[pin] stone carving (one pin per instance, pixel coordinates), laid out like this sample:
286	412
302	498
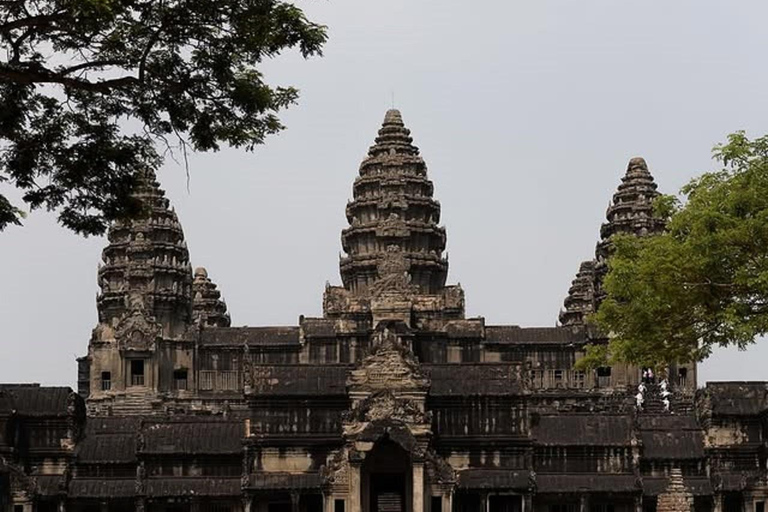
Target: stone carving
335	472
438	469
137	330
390	366
384	405
393	273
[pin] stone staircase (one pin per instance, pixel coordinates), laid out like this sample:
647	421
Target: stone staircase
129	404
679	403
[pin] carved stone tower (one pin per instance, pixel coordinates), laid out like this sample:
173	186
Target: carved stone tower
630	212
393	210
143	344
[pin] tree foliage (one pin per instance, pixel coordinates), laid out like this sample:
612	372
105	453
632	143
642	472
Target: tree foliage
90	89
704	281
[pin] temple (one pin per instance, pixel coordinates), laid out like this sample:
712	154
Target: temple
392	401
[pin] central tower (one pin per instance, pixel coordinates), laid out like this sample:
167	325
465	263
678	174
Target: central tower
393	211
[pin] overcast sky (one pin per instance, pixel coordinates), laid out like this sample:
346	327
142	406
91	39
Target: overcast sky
526	114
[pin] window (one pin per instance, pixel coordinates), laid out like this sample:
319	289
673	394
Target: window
338	505
558	376
604	376
437	503
682	376
759	506
578	378
180	379
106	381
137	372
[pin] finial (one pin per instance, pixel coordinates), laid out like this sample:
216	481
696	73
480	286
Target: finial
637	163
200	272
393	117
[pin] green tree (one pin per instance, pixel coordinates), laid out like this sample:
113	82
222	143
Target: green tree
92	91
704	281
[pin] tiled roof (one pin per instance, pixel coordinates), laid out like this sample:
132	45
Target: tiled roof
474	379
239	336
188	486
290	481
738	398
107	448
193	437
494	479
34	400
583	430
504	334
300	379
102	488
560	484
673	445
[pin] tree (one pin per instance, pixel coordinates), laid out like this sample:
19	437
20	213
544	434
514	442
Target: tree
704	281
89	89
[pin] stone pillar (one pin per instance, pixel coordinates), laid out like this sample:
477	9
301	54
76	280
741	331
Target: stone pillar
484	502
62	505
418	487
354	488
295	496
527	504
639	503
247	503
718	502
328	502
584	502
447	502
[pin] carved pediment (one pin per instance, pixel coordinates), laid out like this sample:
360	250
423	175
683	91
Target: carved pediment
385	406
137	329
390	366
394	275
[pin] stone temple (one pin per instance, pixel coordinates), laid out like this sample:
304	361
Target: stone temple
392	401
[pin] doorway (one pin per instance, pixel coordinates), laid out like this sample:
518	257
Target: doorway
386	478
137	372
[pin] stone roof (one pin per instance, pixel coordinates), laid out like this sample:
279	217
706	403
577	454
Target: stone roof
117	448
569	484
738	398
518	479
193	437
672	445
36	400
284	481
299	380
580	301
468	379
252	336
534	335
102	488
192	486
583	430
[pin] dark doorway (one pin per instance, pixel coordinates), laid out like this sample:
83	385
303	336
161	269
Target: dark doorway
505	503
386	477
137	372
387	492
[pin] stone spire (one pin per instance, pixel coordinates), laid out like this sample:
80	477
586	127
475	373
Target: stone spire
580	301
393	214
146	265
630	212
208	309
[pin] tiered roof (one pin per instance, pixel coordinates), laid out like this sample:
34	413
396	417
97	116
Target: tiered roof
208	309
393	209
630	212
146	259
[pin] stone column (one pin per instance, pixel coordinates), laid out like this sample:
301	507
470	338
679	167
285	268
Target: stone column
639	503
527	504
418	487
328	502
354	488
484	502
584	502
295	496
447	502
62	505
717	505
247	503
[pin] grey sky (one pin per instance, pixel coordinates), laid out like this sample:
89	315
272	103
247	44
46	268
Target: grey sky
526	113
